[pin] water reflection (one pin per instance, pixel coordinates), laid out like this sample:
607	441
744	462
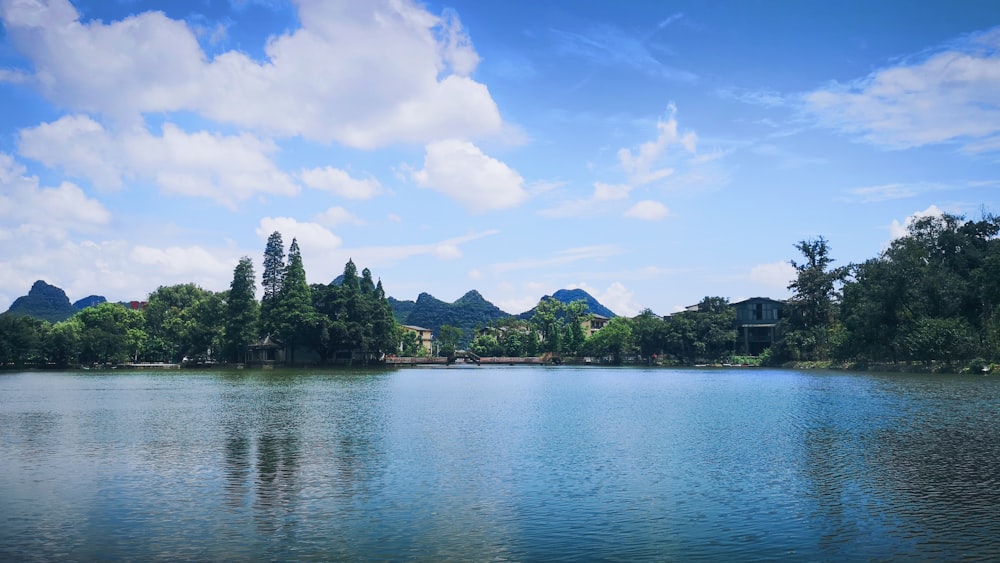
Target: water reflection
262	449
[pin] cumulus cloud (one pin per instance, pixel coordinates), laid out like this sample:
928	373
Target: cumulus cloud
57	209
177	262
338	216
461	171
364	74
646	163
616	297
116	269
341	183
226	169
899	229
950	95
648	210
312	236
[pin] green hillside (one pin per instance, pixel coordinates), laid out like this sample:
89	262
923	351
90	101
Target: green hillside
45	302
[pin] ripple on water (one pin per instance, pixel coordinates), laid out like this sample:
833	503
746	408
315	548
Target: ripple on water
507	464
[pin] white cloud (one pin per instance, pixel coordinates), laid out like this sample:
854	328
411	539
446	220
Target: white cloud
775	276
341	183
338	216
185	263
646	163
576	207
648	210
459	170
898	190
953	95
24	202
314	239
116	269
226	169
616	297
900	229
447	252
610	192
364	74
448	249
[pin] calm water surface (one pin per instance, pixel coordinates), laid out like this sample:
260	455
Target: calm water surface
518	463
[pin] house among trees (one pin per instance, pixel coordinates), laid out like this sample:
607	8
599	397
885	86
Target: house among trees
266	352
424	337
593	323
756	321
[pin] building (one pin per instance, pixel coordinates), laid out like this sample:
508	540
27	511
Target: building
423	336
756	322
266	352
593	323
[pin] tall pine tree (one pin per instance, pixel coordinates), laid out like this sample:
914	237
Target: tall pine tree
272	281
293	314
242	312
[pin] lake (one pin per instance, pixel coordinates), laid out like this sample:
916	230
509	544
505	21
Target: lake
498	463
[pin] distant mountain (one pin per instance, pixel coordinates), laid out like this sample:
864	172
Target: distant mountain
401	309
45	302
569	296
467	313
90	301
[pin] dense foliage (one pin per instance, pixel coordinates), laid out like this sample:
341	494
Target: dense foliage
933	296
351	322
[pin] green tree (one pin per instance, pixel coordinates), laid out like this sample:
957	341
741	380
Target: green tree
939	339
933	288
650	333
486	345
242	312
574	315
448	337
109	333
615	340
811	312
410	344
187	319
292	315
548	321
715	328
21	339
62	345
354	318
272	281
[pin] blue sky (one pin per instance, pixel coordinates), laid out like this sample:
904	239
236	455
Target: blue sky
651	153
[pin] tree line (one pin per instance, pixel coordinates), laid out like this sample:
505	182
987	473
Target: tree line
932	296
348	320
705	333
